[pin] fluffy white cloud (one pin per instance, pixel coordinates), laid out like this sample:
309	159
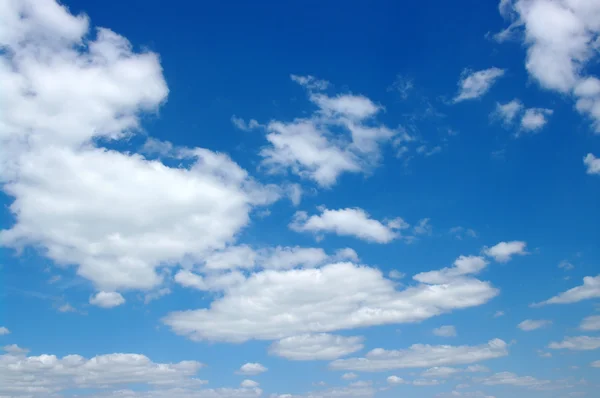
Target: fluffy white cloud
349	376
463	266
64	93
349	222
44	375
4	331
107	299
14	349
561	38
590	323
309	148
535	118
590	289
251	369
592	164
579	343
423	356
322	346
509	111
347	296
445	331
248	383
504	251
475	84
532	324
440	371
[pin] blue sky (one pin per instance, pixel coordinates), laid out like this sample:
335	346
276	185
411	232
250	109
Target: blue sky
299	199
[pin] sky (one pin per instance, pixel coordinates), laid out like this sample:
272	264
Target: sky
299	199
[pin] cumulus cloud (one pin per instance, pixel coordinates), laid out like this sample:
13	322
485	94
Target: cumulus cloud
347	296
65	92
475	84
533	324
534	119
251	369
509	111
248	383
4	331
445	331
321	346
349	376
591	323
561	39
589	290
592	164
504	251
107	299
422	356
463	266
395	380
310	148
45	375
579	343
349	222
242	125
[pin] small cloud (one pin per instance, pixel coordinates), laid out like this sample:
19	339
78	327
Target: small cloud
534	119
4	331
504	251
54	279
592	164
349	376
251	369
567	266
402	85
498	314
15	349
310	82
445	331
530	324
423	227
396	274
66	308
242	125
474	85
249	383
107	299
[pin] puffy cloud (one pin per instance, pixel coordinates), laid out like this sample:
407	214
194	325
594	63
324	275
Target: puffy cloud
63	94
251	369
44	375
475	84
531	324
248	383
509	111
107	299
592	164
4	331
504	251
349	222
590	289
535	118
590	323
426	382
309	147
561	38
349	376
15	349
579	343
347	295
423	356
440	371
463	266
395	380
322	346
445	331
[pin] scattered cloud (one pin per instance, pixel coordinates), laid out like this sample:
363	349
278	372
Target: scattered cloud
249	384
15	349
107	299
349	222
349	376
591	323
252	369
534	119
242	125
589	290
508	378
423	356
402	85
592	164
310	82
320	346
423	227
461	232
395	274
475	84
531	324
579	343
504	251
463	266
566	265
498	314
4	331
395	380
445	331
508	112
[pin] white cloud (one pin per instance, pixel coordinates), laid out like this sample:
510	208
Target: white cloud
508	378
251	369
445	331
463	266
294	192
579	343
148	297
107	299
423	227
426	382
592	164
322	346
348	222
395	380
498	314
595	364
4	331
349	376
242	125
508	112
440	371
475	84
358	390
561	39
533	324
249	384
63	93
423	356
347	296
395	274
45	375
310	82
402	85
535	118
504	251
15	349
590	289
309	148
461	232
590	323
566	265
